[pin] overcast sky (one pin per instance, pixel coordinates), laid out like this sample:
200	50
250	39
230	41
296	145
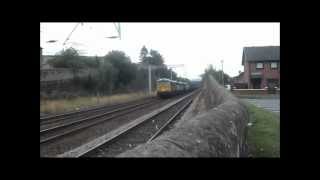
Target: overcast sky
196	45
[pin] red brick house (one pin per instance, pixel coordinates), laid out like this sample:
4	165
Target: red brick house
261	67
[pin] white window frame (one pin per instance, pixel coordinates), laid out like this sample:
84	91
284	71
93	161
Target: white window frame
259	67
273	64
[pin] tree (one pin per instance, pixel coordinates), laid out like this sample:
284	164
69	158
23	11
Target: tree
143	53
156	58
107	76
126	69
217	74
90	62
68	58
90	83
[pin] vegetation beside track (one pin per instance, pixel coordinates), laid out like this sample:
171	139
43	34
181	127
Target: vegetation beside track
62	105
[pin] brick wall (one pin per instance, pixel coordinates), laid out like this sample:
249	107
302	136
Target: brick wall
254	91
267	73
246	73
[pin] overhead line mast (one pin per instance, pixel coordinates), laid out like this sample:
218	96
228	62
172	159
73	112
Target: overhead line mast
118	29
75	27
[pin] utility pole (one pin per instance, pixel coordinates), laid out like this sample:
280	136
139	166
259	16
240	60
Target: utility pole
118	29
222	73
174	66
149	73
75	27
41	57
150	67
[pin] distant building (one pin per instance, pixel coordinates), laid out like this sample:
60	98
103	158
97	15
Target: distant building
261	67
239	81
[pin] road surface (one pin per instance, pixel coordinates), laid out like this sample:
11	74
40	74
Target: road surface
268	104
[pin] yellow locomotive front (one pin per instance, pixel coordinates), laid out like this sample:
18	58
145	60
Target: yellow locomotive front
164	87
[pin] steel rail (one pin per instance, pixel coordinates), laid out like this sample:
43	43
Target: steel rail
94	116
86	148
170	120
46	119
64	133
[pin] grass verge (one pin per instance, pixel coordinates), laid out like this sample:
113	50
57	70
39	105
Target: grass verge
63	105
264	133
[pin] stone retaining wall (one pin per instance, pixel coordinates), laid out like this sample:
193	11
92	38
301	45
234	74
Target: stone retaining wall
215	125
60	78
60	74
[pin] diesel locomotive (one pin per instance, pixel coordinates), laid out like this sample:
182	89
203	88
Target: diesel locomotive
168	88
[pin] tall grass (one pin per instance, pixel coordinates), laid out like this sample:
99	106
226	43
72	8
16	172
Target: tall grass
62	105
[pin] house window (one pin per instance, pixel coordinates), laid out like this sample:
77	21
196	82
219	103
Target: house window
259	66
274	65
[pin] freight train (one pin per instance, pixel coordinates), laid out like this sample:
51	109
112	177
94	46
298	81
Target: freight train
168	88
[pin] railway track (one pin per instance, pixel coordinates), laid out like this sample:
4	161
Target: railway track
50	119
82	121
88	114
164	116
54	142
